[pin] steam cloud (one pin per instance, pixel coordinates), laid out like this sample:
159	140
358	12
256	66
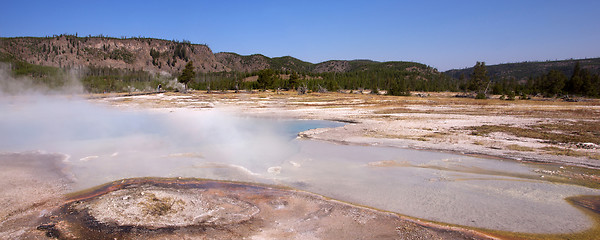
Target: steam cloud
105	143
15	86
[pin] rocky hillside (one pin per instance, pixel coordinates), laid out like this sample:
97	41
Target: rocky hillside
241	63
332	66
152	55
524	70
156	55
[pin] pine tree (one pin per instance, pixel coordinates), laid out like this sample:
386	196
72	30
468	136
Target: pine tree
266	78
575	83
554	82
398	88
293	83
187	74
479	80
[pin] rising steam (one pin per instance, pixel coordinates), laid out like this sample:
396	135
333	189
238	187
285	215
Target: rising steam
22	85
105	143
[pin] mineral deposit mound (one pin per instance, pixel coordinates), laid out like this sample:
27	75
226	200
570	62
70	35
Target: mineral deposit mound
158	208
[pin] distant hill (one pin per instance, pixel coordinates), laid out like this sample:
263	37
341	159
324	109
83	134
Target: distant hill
130	64
255	62
105	64
524	70
157	55
368	65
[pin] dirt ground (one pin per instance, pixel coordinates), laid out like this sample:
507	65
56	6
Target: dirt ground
32	184
537	130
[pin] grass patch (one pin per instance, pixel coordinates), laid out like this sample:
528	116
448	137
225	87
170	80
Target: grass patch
568	152
572	112
158	206
374	134
436	135
396	110
579	131
562	132
314	98
516	147
563	152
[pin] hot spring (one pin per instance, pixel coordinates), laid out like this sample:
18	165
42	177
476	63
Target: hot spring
100	144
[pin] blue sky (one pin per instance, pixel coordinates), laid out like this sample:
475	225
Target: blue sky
442	34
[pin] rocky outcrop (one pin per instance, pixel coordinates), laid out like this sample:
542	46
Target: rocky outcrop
332	66
239	63
152	55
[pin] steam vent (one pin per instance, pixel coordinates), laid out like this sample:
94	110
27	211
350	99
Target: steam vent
156	208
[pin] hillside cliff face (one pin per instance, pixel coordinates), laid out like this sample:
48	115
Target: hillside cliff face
163	56
153	55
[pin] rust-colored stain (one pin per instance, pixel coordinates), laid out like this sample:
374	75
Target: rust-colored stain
589	202
172	208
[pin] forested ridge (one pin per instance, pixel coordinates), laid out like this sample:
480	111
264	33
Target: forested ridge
105	64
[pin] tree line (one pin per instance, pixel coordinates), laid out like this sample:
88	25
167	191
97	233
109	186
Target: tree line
395	81
554	83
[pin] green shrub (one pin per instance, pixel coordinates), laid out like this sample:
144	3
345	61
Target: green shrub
511	96
481	96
